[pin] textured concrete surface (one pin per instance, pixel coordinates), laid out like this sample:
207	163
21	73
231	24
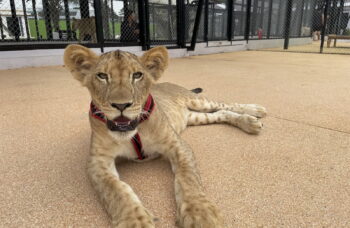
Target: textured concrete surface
294	174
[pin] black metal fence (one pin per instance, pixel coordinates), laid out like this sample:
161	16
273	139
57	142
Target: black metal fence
33	24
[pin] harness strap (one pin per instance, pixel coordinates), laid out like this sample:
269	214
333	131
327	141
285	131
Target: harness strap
136	139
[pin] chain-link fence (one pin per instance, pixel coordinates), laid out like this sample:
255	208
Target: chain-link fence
316	26
303	25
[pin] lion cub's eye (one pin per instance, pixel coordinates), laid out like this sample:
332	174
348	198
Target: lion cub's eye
102	76
137	75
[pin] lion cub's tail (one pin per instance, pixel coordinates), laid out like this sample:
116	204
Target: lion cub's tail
197	90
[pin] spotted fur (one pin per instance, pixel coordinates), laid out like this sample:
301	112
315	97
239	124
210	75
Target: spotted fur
176	108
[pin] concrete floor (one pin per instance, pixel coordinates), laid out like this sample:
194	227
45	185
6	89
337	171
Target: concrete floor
343	47
294	174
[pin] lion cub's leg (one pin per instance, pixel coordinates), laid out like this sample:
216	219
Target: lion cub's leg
120	201
202	104
193	207
247	123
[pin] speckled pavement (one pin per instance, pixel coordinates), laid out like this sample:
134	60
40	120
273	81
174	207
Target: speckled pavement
296	173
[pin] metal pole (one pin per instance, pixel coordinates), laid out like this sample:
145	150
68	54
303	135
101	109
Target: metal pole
323	32
229	19
99	24
269	19
142	22
36	21
247	21
84	8
25	19
66	12
196	25
233	20
1	28
206	20
287	24
15	23
47	20
180	12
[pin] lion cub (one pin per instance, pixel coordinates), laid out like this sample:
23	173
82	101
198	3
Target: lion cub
133	117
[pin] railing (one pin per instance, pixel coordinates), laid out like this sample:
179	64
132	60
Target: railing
32	24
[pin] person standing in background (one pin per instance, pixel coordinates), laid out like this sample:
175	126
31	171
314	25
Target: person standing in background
129	27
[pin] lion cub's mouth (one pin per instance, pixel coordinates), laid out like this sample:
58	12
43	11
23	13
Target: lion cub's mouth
122	124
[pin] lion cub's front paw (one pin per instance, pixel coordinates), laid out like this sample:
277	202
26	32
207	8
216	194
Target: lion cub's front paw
249	124
138	217
199	214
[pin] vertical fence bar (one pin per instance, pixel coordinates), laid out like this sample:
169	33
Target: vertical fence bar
36	21
99	24
1	29
15	22
247	20
206	20
142	22
196	24
324	26
269	19
180	8
25	19
287	24
84	8
47	18
233	20
229	19
66	14
113	23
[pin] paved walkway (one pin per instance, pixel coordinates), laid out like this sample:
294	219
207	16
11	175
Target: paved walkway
296	173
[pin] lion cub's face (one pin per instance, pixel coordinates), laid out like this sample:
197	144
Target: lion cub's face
118	82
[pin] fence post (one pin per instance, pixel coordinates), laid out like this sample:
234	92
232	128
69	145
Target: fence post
287	24
323	31
206	20
196	25
1	29
15	22
47	20
180	12
143	24
229	20
25	19
99	24
247	21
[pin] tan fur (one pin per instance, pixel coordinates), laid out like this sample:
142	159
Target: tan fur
86	26
176	108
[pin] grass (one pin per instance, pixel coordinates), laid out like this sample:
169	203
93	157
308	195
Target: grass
63	26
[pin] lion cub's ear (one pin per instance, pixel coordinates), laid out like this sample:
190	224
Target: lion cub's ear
79	60
156	61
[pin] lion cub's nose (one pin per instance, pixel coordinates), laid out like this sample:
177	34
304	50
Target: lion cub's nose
121	107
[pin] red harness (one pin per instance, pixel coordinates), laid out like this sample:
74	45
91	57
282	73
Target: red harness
135	140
